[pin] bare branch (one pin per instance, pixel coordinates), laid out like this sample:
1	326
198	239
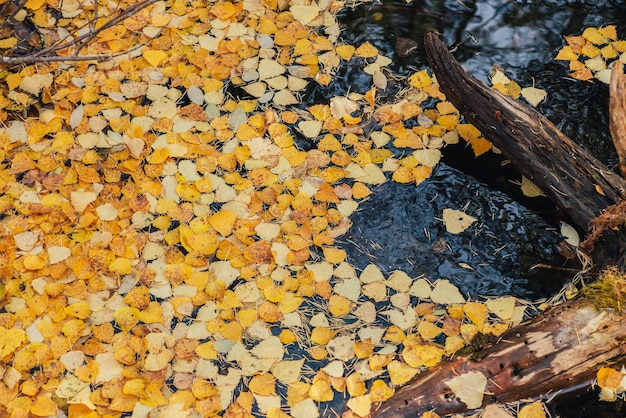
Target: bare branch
29	59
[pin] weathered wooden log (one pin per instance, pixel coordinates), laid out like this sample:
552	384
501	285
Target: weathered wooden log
577	182
562	348
617	110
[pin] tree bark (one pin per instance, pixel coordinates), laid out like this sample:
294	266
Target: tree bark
562	348
617	109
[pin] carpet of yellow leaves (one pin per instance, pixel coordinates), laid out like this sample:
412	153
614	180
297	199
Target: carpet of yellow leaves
591	53
167	249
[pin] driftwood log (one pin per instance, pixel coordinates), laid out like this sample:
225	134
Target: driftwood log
617	107
561	349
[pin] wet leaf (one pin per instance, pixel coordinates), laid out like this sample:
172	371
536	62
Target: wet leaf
533	95
446	293
457	221
534	410
469	388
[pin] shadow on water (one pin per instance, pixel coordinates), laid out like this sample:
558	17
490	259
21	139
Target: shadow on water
513	233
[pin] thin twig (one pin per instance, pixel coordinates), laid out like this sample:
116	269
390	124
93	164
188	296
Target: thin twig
27	60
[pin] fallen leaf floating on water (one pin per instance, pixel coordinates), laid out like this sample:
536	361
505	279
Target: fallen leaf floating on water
534	410
533	95
457	221
446	293
590	55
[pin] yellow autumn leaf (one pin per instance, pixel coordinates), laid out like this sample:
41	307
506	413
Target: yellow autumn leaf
360	405
534	410
334	255
566	54
32	355
449	122
287	336
34	262
590	50
476	312
453	344
320	390
43	406
263	384
355	384
594	36
8	42
121	266
322	335
207	351
73	329
583	75
480	146
80	310
339	306
363	349
422	355
345	52
608	52
403	175
609	31
127	317
420	79
608	378
366	50
380	392
620	45
152	315
428	330
11	340
401	373
290	302
223	221
154	57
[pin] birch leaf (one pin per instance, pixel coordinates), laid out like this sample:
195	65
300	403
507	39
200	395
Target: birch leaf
533	95
469	388
457	221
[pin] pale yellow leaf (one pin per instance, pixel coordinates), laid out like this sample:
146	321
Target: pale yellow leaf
457	221
305	14
530	189
360	405
503	307
534	410
533	95
310	128
446	293
469	388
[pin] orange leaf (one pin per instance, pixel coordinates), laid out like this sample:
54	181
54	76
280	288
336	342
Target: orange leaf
259	252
